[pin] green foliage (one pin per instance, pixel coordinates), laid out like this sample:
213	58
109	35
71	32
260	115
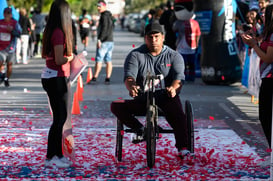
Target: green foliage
22	3
89	5
138	5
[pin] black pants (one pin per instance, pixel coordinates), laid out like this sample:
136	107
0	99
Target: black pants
265	107
124	110
57	91
36	46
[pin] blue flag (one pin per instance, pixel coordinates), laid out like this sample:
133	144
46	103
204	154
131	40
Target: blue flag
3	5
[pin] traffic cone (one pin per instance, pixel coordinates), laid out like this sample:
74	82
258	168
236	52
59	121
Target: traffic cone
79	90
81	83
76	104
89	75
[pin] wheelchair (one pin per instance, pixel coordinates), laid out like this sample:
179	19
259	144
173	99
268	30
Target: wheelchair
152	130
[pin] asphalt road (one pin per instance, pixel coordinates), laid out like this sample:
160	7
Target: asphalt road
217	107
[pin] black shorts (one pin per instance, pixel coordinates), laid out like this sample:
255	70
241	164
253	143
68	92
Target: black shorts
84	32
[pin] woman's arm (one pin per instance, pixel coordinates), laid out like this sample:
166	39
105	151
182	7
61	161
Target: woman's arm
60	59
267	56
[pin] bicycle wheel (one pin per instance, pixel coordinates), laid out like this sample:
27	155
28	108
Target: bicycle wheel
119	138
151	136
189	116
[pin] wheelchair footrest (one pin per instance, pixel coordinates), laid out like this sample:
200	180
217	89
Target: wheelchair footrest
160	130
166	131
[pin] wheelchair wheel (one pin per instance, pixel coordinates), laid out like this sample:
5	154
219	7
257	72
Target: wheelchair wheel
189	117
151	136
119	138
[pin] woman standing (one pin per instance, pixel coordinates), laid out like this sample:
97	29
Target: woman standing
57	50
265	52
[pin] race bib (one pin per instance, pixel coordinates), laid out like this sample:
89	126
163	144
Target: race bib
85	25
159	84
49	73
5	36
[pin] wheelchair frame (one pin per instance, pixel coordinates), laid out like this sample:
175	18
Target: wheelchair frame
152	130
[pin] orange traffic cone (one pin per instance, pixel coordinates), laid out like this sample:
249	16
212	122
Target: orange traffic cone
81	83
76	104
89	75
79	90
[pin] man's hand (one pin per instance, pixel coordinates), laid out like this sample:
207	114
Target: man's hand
133	92
171	91
131	86
174	88
98	44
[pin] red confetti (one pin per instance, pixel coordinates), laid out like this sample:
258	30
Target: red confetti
223	77
133	45
85	107
211	118
92	59
268	150
68	146
248	133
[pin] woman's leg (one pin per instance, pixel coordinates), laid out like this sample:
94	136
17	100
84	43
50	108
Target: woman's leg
265	107
56	89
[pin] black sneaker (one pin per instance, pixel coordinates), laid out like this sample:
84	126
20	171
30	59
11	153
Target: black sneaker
138	136
107	81
6	81
93	80
2	77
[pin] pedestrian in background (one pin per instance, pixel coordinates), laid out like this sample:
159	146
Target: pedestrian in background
22	42
32	36
265	52
10	30
105	42
167	19
84	23
58	52
39	22
94	25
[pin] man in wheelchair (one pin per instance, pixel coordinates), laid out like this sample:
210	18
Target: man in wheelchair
160	60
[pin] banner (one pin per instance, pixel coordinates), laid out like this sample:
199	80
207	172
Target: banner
220	63
254	80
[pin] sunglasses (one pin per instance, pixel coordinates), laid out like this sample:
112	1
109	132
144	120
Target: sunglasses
179	7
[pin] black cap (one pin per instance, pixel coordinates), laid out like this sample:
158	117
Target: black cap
153	28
